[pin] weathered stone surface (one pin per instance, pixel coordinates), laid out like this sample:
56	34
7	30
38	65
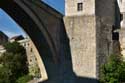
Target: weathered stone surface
105	20
71	7
90	34
82	34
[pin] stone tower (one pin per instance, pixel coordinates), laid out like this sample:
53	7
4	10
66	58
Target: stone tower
89	27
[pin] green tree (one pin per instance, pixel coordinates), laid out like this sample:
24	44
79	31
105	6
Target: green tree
14	48
24	79
13	63
5	74
113	71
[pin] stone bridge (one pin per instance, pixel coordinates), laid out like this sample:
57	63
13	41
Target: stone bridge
43	24
45	27
36	17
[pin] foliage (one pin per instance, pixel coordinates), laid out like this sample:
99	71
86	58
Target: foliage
5	74
14	48
24	79
113	71
34	71
13	63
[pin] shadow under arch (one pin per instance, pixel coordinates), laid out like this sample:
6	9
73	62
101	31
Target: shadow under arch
28	19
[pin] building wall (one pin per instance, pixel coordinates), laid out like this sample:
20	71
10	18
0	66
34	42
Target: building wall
32	61
2	50
71	7
35	63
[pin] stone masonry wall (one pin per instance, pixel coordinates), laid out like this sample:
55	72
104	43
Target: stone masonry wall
82	35
90	36
105	20
103	43
71	7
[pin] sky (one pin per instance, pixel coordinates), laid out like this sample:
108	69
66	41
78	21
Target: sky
10	28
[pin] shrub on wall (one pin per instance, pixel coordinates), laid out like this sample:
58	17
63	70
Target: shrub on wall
113	71
24	79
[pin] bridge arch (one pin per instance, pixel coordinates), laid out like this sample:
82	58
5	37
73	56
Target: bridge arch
24	12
